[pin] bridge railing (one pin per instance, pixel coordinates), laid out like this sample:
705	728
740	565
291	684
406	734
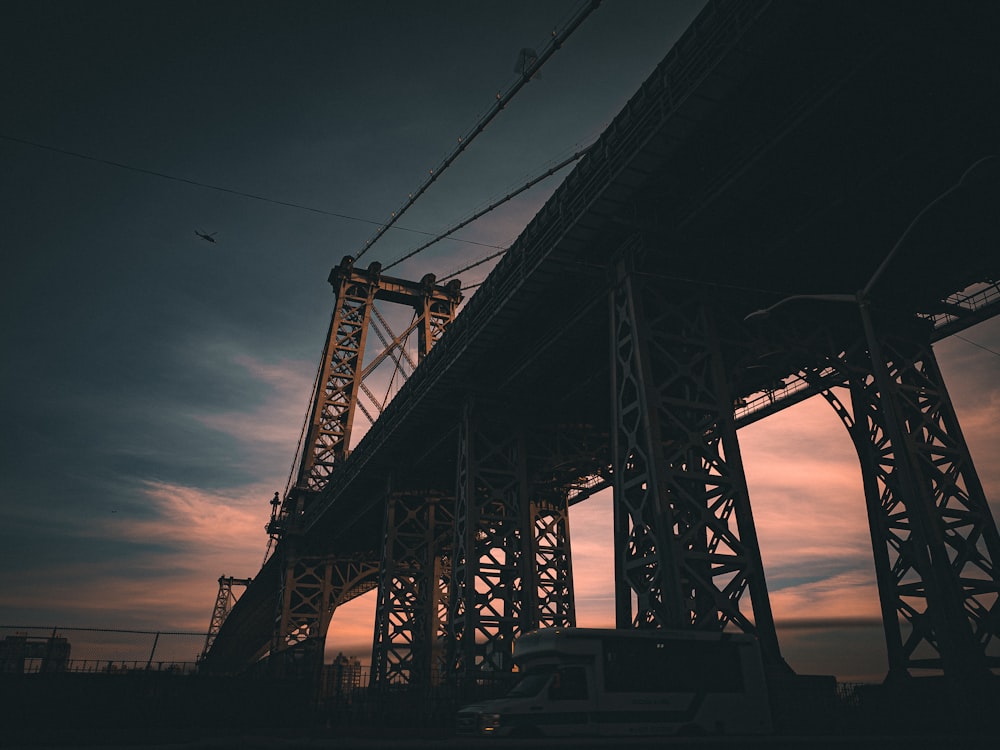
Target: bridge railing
787	392
111	666
967	307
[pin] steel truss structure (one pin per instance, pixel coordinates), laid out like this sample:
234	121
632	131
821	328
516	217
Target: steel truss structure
311	589
490	568
554	605
934	538
224	602
343	369
512	564
413	590
686	547
566	463
313	586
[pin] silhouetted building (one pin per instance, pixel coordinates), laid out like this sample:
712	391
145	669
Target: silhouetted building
39	654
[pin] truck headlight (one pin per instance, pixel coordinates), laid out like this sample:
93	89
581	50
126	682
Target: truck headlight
489	723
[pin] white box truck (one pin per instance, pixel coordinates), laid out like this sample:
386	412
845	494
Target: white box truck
590	682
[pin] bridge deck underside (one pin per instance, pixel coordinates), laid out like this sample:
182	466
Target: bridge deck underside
777	150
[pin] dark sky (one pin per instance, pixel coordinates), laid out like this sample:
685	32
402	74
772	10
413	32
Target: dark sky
154	384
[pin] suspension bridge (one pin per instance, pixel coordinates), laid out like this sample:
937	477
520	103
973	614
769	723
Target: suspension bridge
799	202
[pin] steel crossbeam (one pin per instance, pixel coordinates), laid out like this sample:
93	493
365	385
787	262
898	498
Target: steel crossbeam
566	464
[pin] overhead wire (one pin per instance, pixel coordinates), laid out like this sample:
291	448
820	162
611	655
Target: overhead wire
502	100
100	630
528	72
980	346
220	189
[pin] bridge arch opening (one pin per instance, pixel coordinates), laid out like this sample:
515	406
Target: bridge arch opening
350	631
809	504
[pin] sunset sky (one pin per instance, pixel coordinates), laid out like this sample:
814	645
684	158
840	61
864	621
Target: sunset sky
154	384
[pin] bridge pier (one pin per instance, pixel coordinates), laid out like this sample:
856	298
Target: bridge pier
686	548
934	538
490	570
413	590
554	605
512	564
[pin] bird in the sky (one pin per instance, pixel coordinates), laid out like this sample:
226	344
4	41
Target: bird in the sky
205	236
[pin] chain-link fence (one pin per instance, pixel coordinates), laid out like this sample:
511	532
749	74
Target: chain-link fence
41	649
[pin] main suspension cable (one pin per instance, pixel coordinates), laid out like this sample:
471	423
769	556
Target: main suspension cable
502	99
469	267
526	186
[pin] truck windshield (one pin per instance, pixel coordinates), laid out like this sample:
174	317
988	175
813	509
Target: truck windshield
530	685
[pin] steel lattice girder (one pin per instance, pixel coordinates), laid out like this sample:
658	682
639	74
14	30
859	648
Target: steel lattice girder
337	392
512	565
413	589
312	588
224	602
491	570
686	546
934	538
436	315
555	605
560	461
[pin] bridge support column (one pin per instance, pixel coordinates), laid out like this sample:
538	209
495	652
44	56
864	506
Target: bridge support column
565	462
555	606
686	547
934	538
413	590
312	588
494	589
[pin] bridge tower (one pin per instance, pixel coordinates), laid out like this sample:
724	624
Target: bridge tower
315	583
224	602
